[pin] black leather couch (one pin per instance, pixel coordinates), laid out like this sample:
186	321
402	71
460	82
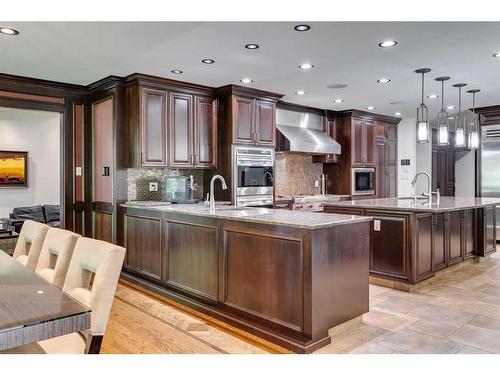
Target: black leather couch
48	214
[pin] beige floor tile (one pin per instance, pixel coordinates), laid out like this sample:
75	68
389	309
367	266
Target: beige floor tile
352	339
471	350
486	322
372	348
478	337
441	329
484	308
440	314
409	341
376	290
387	321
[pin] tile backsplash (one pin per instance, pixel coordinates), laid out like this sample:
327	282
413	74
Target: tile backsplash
138	180
295	174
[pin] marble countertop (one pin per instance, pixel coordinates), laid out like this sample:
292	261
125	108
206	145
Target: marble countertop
297	219
406	204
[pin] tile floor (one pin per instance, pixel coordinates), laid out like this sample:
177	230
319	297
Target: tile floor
458	312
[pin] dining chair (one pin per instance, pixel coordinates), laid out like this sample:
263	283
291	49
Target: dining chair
55	255
29	244
92	279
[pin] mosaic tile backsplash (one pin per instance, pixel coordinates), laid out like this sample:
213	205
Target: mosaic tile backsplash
138	180
295	174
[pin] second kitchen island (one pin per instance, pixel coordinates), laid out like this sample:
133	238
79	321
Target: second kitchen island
414	241
285	276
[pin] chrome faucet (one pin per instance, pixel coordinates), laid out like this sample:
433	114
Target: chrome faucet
212	195
414	184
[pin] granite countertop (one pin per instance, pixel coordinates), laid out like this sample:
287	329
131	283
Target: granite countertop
297	219
406	204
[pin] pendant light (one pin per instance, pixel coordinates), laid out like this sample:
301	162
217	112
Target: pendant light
474	123
423	128
442	117
460	125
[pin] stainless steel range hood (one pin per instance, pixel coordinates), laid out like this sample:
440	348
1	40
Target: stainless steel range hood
304	132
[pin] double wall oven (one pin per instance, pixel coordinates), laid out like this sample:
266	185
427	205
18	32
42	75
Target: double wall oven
253	176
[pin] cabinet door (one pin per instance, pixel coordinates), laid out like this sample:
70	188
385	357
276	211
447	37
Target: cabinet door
153	128
381	129
381	168
488	223
438	241
265	127
391	177
369	144
243	120
468	218
357	143
331	130
450	173
205	140
180	130
454	233
143	244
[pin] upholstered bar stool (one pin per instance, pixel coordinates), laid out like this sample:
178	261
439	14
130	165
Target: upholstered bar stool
29	244
92	278
55	255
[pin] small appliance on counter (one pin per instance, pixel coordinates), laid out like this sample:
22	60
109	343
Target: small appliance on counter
179	189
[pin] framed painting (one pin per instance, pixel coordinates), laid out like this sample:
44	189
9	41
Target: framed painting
13	169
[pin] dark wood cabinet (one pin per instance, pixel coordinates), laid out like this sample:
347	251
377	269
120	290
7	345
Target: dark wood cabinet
443	167
363	143
253	121
143	244
468	233
192	131
153	128
331	130
454	228
180	124
424	263
486	240
170	126
381	169
385	159
205	133
439	241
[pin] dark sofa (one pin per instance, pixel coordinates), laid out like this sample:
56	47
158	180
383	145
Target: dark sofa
48	214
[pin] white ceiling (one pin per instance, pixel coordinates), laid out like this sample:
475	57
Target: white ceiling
342	52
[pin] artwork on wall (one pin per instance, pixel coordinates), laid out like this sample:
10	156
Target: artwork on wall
13	169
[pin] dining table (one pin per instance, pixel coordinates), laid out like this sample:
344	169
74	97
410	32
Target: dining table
32	309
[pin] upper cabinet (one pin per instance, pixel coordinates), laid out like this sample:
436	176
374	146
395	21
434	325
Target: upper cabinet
153	129
362	143
331	130
170	127
253	121
192	132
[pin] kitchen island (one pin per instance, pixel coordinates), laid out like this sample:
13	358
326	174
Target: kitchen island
285	276
414	240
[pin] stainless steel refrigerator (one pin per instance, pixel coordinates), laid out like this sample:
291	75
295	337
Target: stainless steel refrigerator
490	165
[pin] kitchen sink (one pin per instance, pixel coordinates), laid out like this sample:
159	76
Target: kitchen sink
419	198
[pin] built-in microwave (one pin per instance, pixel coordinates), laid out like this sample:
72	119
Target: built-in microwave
253	176
363	181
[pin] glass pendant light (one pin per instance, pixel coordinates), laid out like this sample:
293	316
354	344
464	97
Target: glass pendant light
474	123
442	117
460	126
423	128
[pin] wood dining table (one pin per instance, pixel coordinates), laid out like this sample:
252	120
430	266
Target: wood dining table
32	309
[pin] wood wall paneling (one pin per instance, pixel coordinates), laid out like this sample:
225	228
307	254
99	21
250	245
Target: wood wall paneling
102	135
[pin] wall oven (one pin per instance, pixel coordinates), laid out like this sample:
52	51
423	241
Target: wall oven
253	176
363	181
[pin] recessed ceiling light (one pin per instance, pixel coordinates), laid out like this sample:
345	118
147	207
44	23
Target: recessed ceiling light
496	54
177	71
451	118
450	107
302	27
370	107
305	66
246	80
337	86
252	46
8	31
383	80
433	96
338	101
387	43
397	113
300	92
207	61
39	291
